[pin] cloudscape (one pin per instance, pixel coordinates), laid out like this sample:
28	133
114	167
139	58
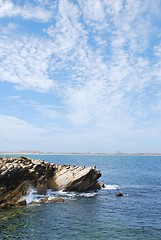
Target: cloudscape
80	76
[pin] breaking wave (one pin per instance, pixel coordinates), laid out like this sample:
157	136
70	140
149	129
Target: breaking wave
34	197
111	187
71	195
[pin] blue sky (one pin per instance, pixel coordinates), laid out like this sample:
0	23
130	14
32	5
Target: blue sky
80	75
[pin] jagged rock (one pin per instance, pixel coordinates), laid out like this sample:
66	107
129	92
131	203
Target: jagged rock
21	202
74	178
17	175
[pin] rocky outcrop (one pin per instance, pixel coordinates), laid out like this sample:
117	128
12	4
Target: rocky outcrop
17	175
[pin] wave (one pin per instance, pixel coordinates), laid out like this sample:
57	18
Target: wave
111	187
92	194
31	196
34	197
73	195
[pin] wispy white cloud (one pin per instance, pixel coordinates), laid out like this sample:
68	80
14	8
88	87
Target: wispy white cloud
14	97
16	133
27	11
94	14
48	111
24	62
123	78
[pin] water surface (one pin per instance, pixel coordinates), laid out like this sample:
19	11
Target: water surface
97	214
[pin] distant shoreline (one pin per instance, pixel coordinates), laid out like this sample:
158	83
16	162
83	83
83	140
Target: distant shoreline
78	153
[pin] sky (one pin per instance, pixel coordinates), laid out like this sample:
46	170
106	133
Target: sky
80	75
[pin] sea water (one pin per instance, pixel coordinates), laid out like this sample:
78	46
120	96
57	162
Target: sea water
95	214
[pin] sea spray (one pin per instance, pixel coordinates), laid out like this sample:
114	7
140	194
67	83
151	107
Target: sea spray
31	196
72	195
111	187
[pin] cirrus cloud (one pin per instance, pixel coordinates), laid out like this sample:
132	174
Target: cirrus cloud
26	11
100	59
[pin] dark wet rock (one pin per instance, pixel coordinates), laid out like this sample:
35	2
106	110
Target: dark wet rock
119	194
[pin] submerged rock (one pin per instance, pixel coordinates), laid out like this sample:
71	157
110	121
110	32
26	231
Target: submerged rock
17	175
119	194
48	200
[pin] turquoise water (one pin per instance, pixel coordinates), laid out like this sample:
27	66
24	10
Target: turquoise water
99	214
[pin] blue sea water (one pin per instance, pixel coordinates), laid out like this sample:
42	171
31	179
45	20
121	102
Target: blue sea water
96	214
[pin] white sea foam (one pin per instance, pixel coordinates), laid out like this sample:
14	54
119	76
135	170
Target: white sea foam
71	195
61	193
33	196
30	196
111	187
87	195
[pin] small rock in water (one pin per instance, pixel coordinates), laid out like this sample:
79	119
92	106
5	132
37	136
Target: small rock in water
102	185
48	200
56	200
119	194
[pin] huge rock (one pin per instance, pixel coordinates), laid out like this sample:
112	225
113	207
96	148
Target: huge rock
17	175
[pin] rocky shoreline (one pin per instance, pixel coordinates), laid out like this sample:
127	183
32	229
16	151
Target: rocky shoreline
18	175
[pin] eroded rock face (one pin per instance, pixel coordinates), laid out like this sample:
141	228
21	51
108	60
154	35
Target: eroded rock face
17	175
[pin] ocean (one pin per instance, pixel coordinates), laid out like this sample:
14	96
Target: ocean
95	214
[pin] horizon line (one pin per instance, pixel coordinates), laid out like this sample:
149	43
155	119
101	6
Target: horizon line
80	153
